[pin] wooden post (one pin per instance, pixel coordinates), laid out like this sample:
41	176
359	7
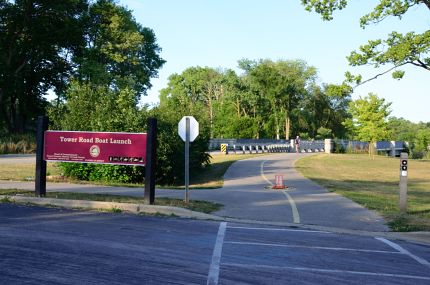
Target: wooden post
151	157
40	179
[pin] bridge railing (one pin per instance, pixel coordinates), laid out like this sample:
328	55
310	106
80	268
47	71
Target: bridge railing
392	148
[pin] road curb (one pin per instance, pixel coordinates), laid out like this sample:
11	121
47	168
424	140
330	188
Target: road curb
112	206
416	237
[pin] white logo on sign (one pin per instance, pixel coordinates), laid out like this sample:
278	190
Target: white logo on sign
94	151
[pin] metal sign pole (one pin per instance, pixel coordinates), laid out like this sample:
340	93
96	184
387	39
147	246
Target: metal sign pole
187	159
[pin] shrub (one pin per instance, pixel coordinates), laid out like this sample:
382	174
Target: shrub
24	143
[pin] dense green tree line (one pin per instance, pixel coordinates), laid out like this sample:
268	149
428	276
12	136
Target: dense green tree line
281	100
268	100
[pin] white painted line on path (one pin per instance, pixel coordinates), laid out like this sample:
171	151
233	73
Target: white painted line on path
404	251
296	216
216	256
262	172
256	267
313	247
278	229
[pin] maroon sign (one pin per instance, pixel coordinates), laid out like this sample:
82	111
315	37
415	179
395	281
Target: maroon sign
95	147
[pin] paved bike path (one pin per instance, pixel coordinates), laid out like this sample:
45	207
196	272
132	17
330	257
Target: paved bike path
247	194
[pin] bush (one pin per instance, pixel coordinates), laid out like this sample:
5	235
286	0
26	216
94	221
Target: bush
24	143
170	148
101	172
338	148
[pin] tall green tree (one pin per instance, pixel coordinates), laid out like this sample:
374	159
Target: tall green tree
37	38
112	69
118	51
181	98
281	85
396	50
421	144
239	110
369	118
196	85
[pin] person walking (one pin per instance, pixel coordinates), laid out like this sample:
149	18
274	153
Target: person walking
297	143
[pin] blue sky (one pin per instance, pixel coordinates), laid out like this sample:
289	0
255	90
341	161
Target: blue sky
217	33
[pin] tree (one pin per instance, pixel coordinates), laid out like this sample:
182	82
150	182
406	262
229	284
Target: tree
396	50
174	104
36	40
369	116
112	68
416	135
44	44
422	144
401	129
118	51
196	85
281	85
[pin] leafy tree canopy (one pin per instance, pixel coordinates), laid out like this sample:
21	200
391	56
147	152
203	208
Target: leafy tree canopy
118	51
44	45
36	39
369	118
396	50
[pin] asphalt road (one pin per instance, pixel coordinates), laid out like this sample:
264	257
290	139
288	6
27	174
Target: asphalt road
57	246
17	158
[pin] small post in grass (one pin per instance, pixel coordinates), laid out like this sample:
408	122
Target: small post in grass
40	179
403	193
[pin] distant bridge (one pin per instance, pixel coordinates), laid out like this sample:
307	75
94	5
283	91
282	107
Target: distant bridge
392	148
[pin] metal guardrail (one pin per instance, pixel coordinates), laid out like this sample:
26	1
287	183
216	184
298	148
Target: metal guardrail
264	145
392	148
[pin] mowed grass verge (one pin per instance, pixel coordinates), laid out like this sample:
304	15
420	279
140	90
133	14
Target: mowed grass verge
25	171
374	183
210	177
194	205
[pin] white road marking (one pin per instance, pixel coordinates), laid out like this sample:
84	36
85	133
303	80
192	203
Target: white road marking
277	229
404	251
313	247
250	266
262	173
296	216
216	256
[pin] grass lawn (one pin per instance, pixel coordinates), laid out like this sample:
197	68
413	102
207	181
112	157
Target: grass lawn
194	205
25	171
210	177
374	183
